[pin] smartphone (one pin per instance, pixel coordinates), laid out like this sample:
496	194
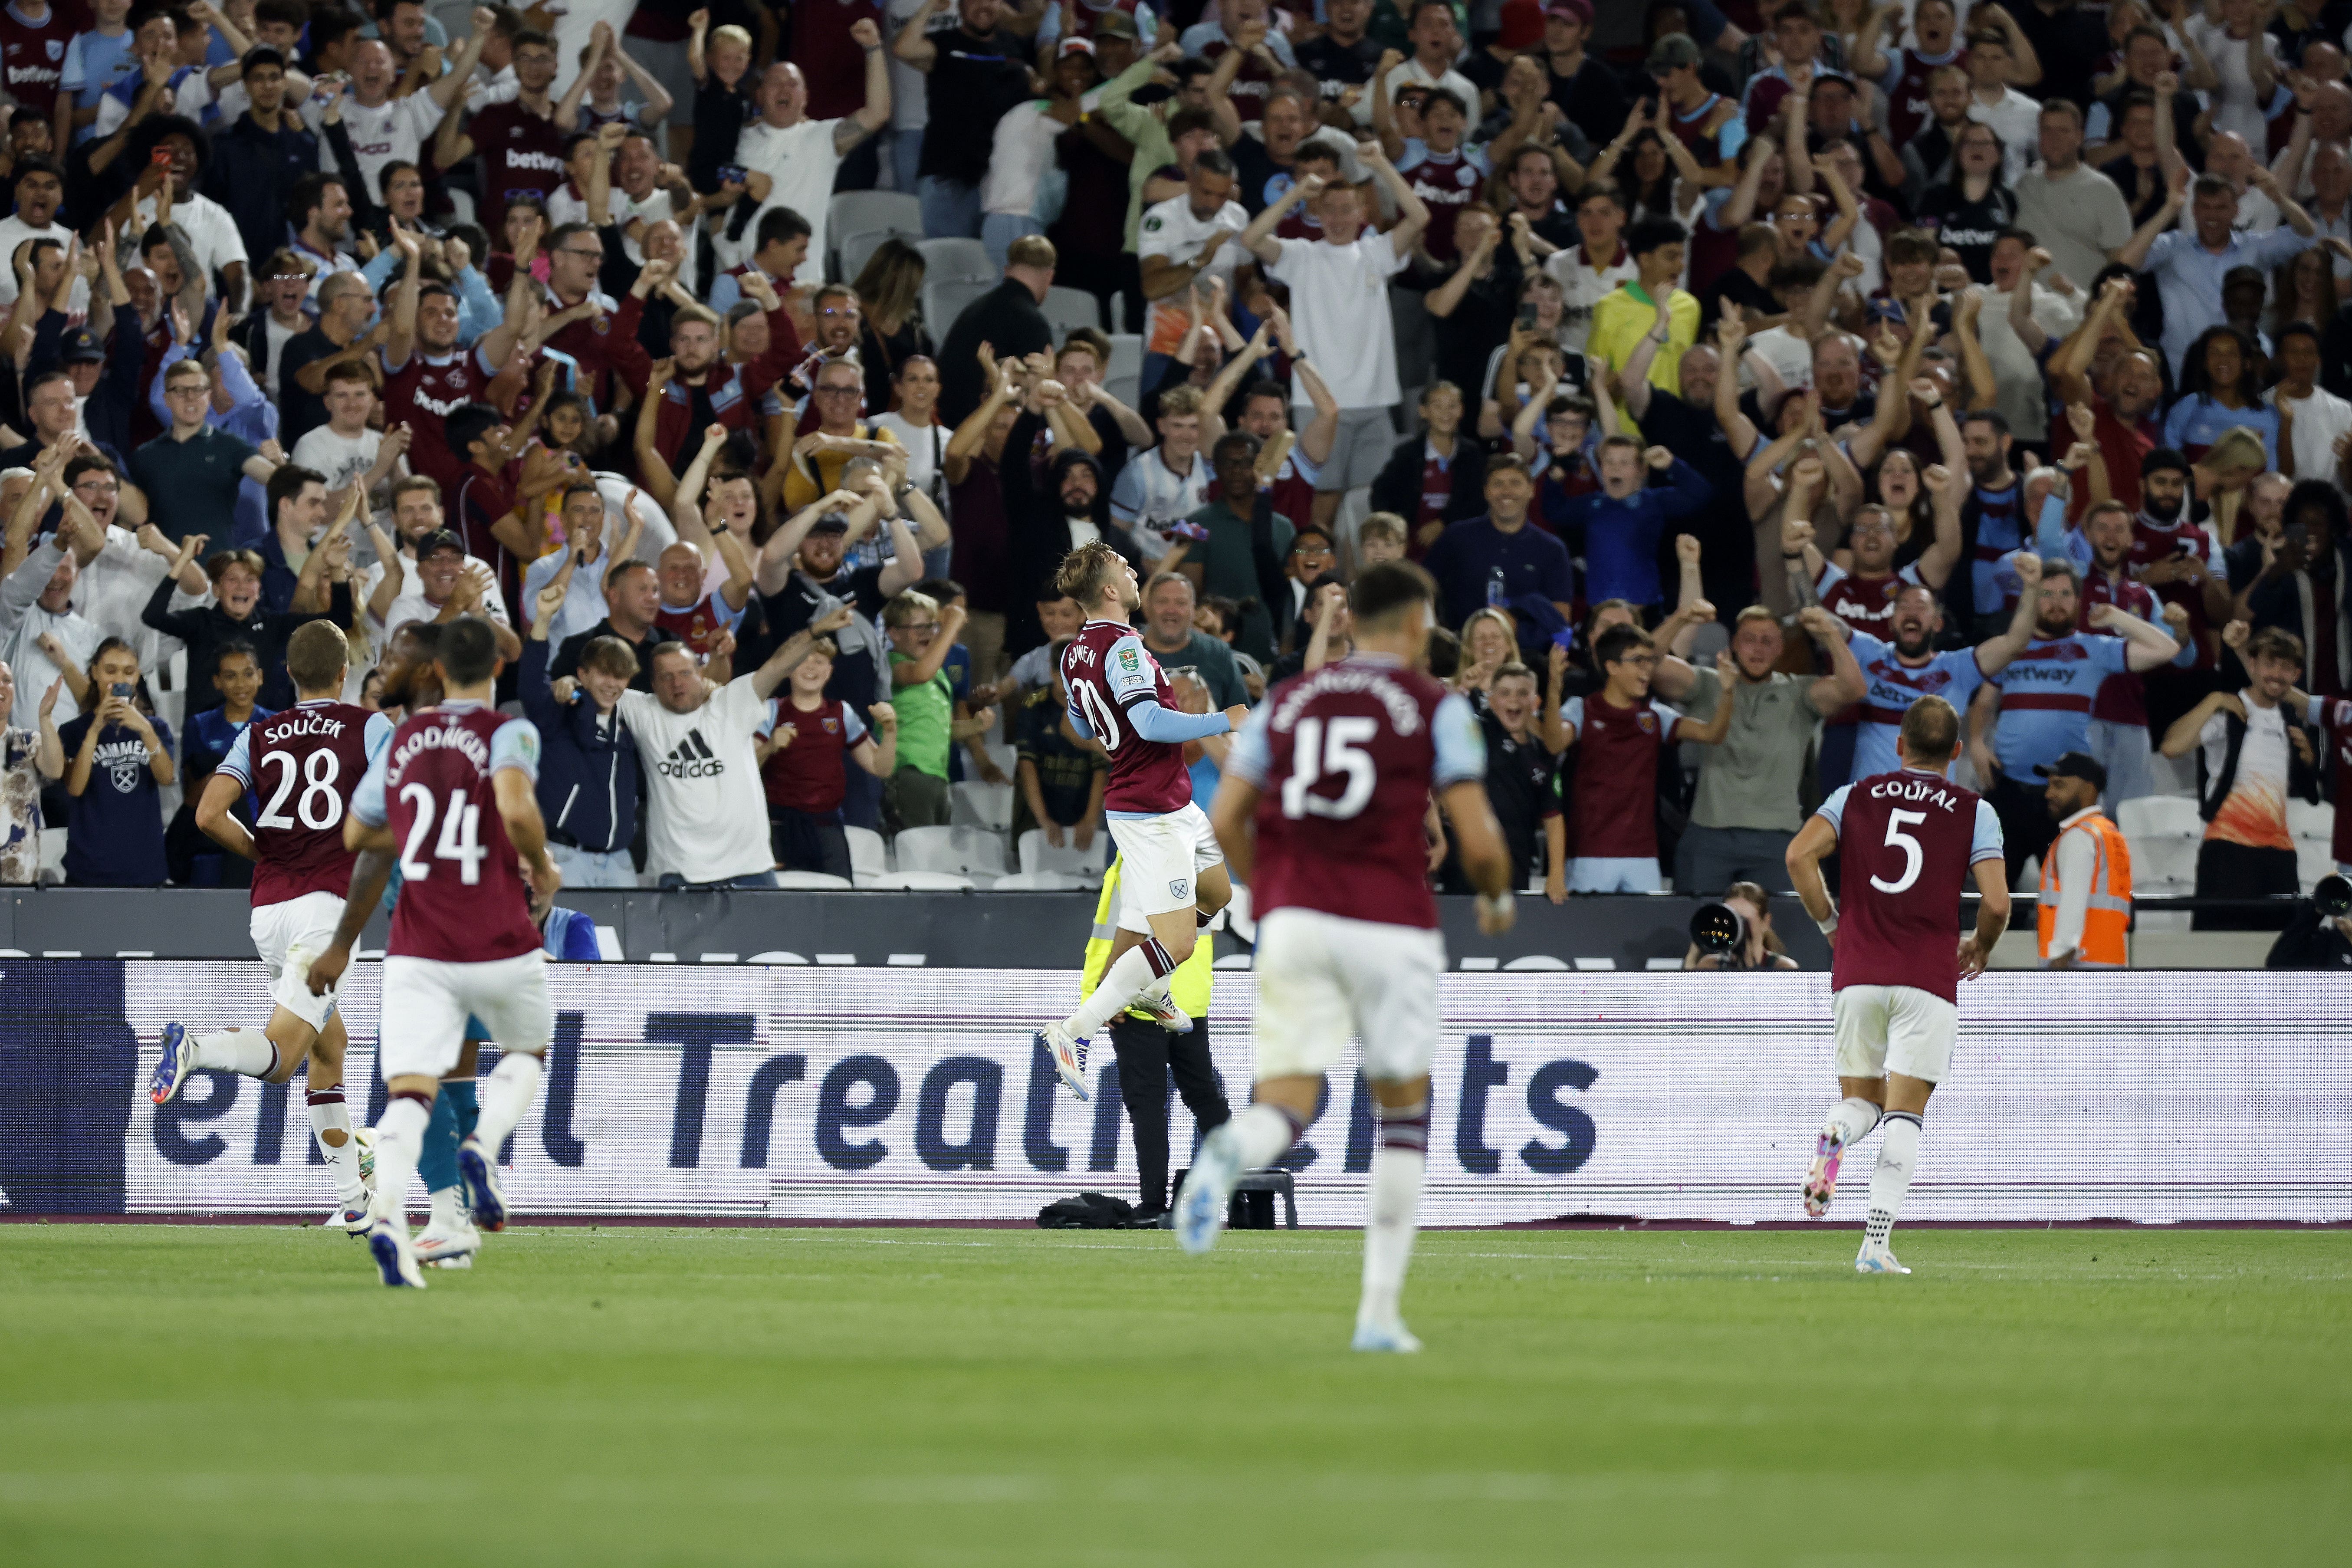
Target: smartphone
2299	535
731	174
161	158
1528	317
123	689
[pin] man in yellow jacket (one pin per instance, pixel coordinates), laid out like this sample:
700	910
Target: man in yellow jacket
2084	913
1148	1052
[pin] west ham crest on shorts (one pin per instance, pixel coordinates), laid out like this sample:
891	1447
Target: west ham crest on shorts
1178	888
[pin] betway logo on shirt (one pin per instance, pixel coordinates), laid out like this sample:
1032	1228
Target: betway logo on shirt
691	759
547	162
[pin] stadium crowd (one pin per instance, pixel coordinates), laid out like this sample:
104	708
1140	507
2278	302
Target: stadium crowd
1739	371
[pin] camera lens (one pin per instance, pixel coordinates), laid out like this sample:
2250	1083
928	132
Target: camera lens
2332	895
1717	927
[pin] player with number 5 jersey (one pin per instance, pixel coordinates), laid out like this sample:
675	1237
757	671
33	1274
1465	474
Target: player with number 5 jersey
452	798
1171	877
1907	843
1321	810
302	764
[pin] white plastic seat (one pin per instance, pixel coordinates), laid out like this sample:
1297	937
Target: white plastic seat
2315	821
1128	389
944	302
2314	858
959	851
1036	855
813	881
956	259
2158	817
917	882
869	855
875	212
1126	355
856	249
1067	308
2163	859
973	803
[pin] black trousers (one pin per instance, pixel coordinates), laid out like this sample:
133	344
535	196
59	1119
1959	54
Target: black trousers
1148	1056
804	843
2226	870
2027	828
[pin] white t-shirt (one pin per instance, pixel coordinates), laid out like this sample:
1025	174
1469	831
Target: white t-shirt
2254	813
910	89
212	233
2017	120
14	232
1173	232
1789	354
341	459
1340	311
2319	420
280	336
396	129
925	445
233	102
1148	494
800	159
1413	72
1581	288
1020	153
2232	102
707	815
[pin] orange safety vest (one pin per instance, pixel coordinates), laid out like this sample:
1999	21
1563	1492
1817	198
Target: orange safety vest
2107	919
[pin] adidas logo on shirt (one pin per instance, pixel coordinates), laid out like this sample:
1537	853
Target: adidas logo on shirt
691	759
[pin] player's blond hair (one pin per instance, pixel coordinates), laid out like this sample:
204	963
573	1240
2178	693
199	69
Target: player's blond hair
1087	571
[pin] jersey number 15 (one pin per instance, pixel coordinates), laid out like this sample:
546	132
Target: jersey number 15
1317	751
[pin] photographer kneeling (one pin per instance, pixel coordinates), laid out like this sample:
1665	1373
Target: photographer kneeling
2320	935
1737	933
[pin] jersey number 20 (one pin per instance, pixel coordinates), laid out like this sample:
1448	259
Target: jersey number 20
460	839
1317	751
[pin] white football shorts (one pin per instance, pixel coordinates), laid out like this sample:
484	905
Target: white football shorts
289	935
428	1000
1160	861
1893	1028
1322	978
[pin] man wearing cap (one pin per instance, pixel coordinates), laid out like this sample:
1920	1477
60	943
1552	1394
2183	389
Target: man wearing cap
1586	89
2084	911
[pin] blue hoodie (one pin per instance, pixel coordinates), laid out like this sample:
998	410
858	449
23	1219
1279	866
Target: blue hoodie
588	780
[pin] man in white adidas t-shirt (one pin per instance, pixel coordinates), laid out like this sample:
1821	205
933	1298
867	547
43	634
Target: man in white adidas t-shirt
707	814
1340	311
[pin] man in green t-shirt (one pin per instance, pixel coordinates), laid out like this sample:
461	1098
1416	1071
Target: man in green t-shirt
930	720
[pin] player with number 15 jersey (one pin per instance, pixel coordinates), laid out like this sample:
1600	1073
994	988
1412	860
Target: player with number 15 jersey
1321	809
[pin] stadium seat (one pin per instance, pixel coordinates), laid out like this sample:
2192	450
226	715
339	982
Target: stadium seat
1036	855
2172	776
2158	817
917	882
1040	882
874	212
2314	858
973	804
813	881
1128	389
959	851
857	249
52	856
1005	756
1126	357
2315	821
869	855
944	303
955	259
1068	308
2163	858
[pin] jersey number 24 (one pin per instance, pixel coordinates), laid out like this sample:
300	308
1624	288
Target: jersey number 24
460	836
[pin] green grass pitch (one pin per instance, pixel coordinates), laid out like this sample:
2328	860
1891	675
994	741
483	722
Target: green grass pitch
249	1395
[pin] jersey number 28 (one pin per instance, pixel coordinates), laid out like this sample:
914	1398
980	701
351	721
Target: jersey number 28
319	806
1318	751
460	836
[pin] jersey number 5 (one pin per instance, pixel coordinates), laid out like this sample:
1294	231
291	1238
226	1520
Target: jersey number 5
320	807
460	839
1914	856
1316	752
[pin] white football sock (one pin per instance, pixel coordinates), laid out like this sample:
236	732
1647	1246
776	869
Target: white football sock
1393	1200
1128	977
399	1136
246	1051
329	1115
448	1214
1263	1134
1898	1154
507	1098
1851	1120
